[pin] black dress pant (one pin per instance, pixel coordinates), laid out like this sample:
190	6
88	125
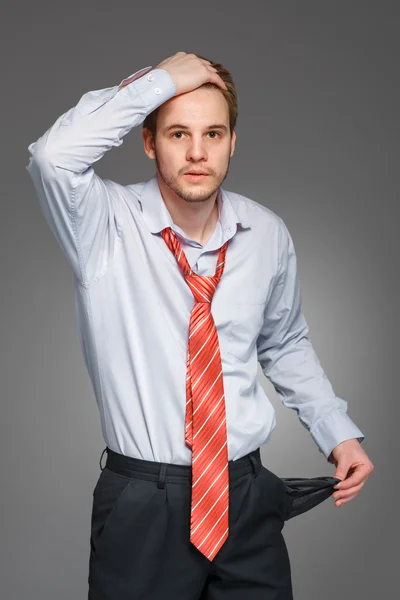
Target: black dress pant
140	545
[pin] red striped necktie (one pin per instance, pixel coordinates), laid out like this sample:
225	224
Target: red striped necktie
205	431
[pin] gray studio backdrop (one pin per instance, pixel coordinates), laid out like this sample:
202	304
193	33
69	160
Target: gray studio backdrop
318	143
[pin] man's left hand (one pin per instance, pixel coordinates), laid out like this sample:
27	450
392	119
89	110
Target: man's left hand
353	467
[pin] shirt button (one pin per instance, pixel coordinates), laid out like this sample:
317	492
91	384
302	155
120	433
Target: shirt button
150	76
157	91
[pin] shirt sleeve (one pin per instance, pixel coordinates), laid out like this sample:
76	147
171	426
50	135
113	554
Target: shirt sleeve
84	211
289	361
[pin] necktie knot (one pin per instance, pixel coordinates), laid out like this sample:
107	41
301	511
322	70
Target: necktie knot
202	286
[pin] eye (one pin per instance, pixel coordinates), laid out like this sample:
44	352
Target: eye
181	132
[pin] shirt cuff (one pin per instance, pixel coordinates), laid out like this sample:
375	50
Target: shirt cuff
135	76
333	430
154	88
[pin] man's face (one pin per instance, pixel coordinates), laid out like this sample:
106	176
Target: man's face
192	135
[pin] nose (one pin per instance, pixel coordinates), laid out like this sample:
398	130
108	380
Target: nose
196	149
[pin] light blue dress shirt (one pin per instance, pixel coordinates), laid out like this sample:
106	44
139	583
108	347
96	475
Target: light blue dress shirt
133	304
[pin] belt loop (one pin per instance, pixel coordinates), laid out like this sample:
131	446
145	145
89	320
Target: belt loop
161	479
255	464
105	450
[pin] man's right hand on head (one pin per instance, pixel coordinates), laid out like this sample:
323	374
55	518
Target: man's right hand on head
189	72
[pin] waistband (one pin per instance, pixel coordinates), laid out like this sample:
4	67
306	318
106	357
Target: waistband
168	472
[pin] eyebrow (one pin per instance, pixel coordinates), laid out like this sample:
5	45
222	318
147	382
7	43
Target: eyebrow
179	126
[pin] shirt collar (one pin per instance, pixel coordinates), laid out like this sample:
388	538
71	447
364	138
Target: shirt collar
156	215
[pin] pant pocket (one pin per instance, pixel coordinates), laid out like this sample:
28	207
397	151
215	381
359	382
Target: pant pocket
303	493
107	497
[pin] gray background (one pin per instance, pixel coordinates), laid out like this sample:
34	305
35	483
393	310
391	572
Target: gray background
318	143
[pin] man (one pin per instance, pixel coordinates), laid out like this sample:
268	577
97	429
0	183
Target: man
181	287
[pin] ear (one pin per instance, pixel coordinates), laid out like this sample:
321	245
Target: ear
233	142
148	143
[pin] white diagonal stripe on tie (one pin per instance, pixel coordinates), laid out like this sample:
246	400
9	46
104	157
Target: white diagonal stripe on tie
215	524
208	489
209	390
199	324
223	535
209	465
204	447
192	285
192	359
205	516
211	413
205	368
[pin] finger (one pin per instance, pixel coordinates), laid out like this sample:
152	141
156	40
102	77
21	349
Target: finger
344	500
207	63
214	77
209	67
219	81
346	494
351	482
359	475
213	70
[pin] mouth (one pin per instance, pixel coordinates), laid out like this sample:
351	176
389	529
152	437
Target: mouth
196	176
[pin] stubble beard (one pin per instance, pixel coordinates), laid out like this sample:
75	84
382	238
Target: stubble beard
193	194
